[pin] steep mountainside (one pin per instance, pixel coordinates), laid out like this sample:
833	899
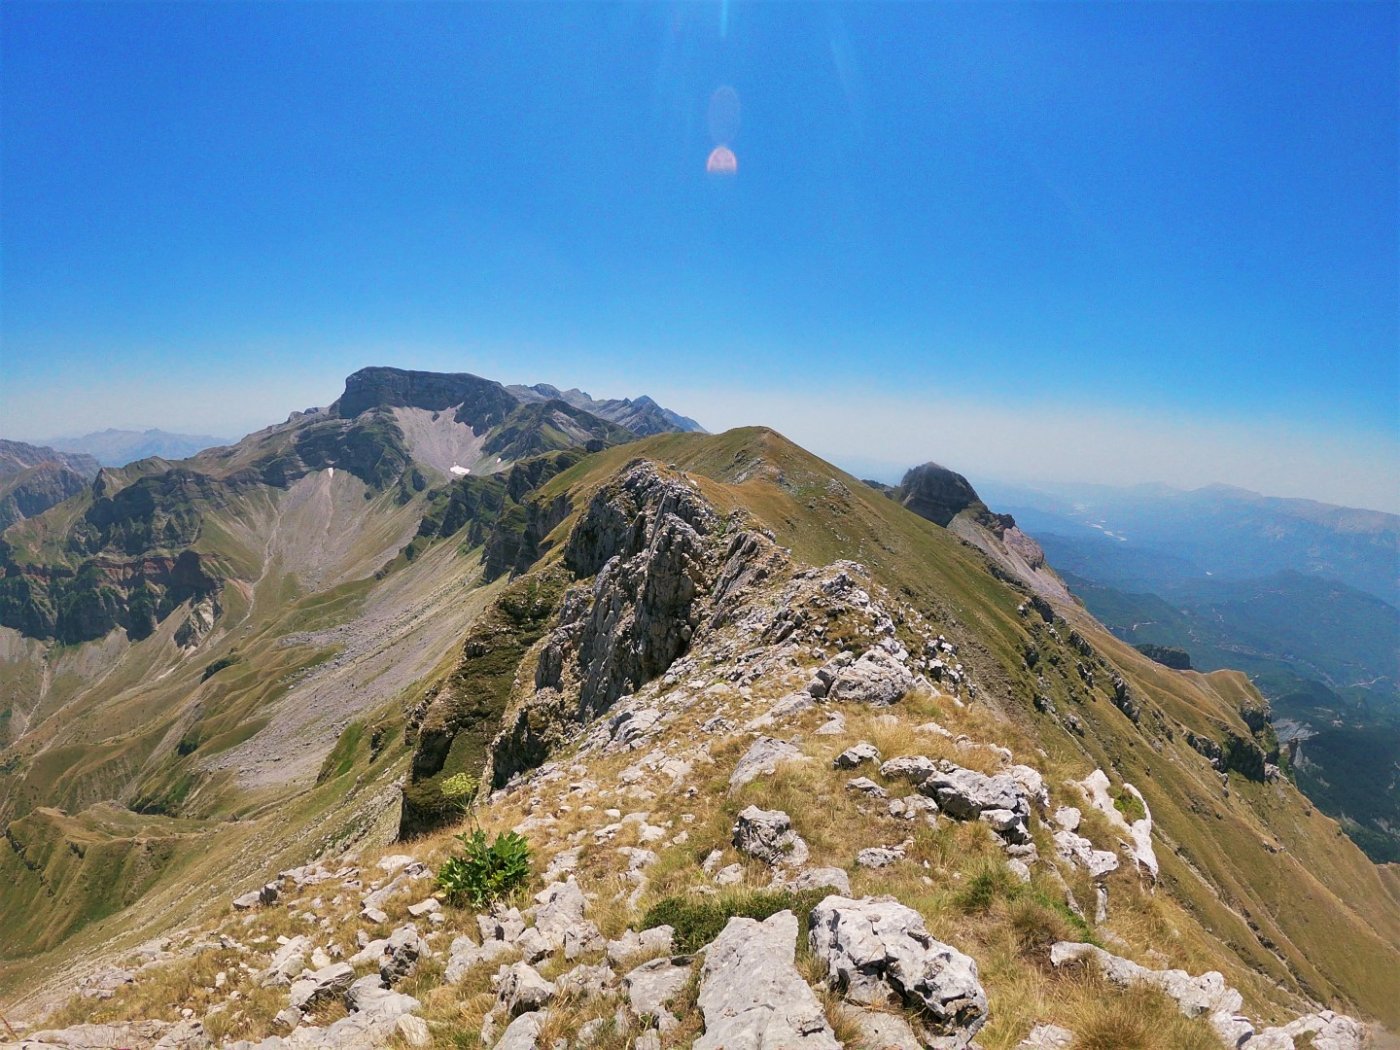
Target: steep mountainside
35	489
117	448
16	456
664	662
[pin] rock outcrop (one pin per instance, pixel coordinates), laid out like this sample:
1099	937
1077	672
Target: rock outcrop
751	995
877	951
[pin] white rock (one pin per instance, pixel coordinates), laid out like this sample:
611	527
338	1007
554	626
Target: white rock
751	995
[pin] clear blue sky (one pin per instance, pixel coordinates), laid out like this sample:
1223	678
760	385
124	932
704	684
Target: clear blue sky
1120	221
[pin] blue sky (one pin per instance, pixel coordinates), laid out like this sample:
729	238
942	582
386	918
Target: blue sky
1102	242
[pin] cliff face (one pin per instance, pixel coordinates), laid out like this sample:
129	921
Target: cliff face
35	489
936	493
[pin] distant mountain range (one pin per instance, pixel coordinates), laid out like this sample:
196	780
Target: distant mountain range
1146	536
642	415
117	448
1300	595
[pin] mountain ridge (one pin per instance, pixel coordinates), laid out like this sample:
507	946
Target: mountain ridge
658	608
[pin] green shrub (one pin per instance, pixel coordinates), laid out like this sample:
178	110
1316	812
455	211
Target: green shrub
485	871
698	920
218	665
1128	804
992	882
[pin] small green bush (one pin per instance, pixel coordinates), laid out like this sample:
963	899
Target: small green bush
992	882
698	920
1128	804
485	871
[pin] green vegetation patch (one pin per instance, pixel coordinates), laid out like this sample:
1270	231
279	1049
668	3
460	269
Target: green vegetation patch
698	920
485	870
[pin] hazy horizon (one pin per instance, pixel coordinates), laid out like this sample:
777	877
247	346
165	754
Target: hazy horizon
881	436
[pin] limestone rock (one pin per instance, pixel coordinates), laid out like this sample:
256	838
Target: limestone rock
855	755
913	768
820	878
761	759
1047	1037
1194	996
878	951
370	997
520	989
322	984
401	954
880	1031
876	678
751	995
287	962
523	1033
652	986
767	835
657	939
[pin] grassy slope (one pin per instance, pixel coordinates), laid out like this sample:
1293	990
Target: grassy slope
1333	921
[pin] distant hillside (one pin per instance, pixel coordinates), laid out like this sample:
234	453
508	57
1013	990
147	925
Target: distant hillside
17	456
34	478
1144	537
117	448
641	415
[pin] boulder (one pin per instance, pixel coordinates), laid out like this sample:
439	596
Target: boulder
401	954
767	835
913	768
651	987
879	856
586	981
761	759
520	989
878	678
287	962
887	1032
751	995
876	951
653	941
856	755
369	997
523	1033
560	908
465	955
1078	850
866	786
964	793
820	878
325	983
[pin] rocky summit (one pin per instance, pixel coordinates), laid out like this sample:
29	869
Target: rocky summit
456	714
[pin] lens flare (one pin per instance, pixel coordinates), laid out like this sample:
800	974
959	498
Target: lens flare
722	161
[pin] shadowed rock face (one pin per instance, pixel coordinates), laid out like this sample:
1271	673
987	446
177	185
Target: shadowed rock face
483	403
645	539
35	490
936	493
